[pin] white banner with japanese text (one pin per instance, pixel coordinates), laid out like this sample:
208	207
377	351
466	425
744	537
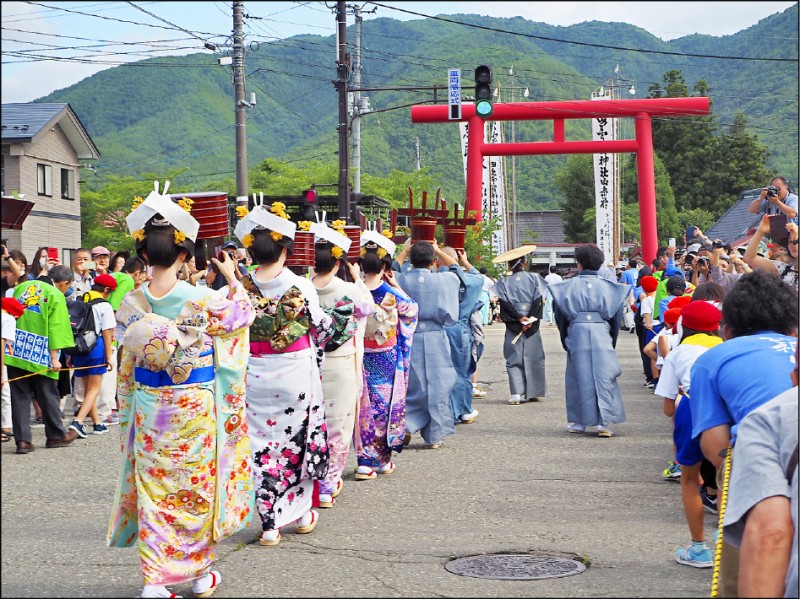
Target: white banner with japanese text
604	169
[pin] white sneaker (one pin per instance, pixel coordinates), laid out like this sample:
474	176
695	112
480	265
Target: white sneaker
476	392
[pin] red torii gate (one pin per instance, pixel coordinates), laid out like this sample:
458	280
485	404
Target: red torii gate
558	112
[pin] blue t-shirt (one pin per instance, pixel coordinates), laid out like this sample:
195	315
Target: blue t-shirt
732	379
629	277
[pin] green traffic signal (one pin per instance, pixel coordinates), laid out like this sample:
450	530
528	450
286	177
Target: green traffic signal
483	91
483	108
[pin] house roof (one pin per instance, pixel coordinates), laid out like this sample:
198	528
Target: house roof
735	225
547	225
26	123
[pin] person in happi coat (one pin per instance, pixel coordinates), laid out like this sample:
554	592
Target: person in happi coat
348	304
460	334
428	408
387	360
285	405
588	313
522	295
187	477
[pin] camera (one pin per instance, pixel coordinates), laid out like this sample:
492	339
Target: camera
704	262
772	191
718	244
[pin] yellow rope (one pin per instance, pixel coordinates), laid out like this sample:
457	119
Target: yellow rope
722	502
24	376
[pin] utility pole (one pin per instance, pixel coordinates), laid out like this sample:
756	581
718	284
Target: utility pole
342	73
240	104
416	154
357	103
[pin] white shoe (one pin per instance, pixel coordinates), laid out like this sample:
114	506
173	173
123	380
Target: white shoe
470	417
478	392
575	428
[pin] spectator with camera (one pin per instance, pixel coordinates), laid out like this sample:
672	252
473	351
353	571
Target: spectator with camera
213	279
776	199
786	266
82	266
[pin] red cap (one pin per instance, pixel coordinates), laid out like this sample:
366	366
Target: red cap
649	284
701	316
671	316
679	302
13	306
105	281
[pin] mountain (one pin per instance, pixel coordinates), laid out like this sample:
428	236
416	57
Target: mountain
171	112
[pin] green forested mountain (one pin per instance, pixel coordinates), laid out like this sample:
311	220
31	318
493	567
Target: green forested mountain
167	113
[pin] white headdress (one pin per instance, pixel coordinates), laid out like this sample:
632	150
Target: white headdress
171	214
261	217
380	240
323	231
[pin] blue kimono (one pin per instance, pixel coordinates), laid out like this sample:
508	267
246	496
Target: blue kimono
460	337
432	376
588	312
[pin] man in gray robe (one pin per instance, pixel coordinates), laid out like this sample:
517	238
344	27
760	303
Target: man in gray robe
432	376
588	313
522	295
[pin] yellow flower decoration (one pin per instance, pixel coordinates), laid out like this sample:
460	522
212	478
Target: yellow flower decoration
381	253
247	240
277	207
363	251
336	252
387	233
179	237
242	211
137	201
304	225
275	235
186	204
338	225
138	234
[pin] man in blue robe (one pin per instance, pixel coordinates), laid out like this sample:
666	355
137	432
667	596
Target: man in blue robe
432	376
588	312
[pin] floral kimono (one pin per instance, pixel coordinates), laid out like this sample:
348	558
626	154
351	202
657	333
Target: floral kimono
187	478
285	405
387	355
343	376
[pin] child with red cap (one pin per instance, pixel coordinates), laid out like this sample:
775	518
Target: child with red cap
700	324
11	310
649	285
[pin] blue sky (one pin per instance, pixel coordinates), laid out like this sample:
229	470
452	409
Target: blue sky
38	29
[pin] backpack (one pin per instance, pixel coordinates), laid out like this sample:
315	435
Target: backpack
81	319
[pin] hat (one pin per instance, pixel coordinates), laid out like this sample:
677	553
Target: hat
701	316
695	247
679	302
274	219
100	251
671	316
510	255
326	233
378	239
105	281
229	244
649	284
13	306
172	213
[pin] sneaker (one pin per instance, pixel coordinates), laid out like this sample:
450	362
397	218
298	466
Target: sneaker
709	504
111	420
99	429
650	385
78	428
673	471
688	557
478	392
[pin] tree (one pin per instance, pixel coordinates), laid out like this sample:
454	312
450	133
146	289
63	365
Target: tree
576	182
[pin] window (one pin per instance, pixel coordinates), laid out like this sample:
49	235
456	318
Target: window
67	184
44	179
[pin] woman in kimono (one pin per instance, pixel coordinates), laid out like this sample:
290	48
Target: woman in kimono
187	478
285	404
348	304
387	360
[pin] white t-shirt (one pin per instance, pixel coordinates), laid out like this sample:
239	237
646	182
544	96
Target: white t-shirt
553	278
104	318
676	370
673	340
8	329
646	306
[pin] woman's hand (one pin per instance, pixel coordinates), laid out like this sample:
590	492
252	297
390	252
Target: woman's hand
226	266
355	270
389	277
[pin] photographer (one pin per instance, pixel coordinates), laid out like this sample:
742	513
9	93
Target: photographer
786	270
776	199
719	274
218	282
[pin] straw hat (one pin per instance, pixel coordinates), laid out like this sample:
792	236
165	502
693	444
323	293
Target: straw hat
510	255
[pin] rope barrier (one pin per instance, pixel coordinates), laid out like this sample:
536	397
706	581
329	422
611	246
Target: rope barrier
723	502
24	376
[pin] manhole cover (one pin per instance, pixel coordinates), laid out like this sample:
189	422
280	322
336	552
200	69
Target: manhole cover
514	566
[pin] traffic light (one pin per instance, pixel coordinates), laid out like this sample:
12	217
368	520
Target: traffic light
354	210
483	91
309	205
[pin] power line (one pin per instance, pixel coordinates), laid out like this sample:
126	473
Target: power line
155	16
551	39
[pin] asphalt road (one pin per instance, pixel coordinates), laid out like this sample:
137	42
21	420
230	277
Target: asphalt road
512	482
